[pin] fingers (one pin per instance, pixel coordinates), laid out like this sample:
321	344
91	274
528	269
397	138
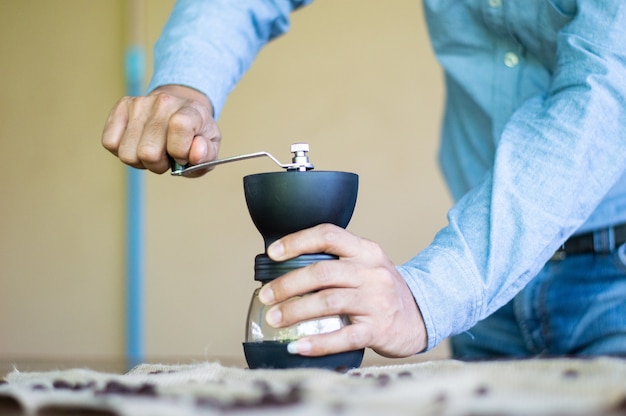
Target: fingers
324	238
389	322
115	126
175	121
348	338
355	253
318	305
204	145
321	275
136	148
183	125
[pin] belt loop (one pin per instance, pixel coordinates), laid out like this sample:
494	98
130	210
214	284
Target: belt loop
604	240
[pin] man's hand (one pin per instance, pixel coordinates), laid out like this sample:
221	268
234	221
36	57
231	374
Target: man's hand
173	120
362	284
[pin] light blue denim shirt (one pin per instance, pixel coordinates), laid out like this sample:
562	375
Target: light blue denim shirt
533	142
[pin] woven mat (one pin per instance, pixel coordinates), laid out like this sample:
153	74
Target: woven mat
447	387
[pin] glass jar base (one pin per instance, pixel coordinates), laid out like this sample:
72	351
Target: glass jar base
273	354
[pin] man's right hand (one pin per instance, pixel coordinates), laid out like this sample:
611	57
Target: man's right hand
172	120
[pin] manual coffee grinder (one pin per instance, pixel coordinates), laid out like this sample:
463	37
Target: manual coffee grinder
282	203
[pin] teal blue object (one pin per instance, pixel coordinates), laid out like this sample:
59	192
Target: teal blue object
135	68
135	227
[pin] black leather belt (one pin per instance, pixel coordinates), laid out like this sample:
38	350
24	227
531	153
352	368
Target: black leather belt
601	241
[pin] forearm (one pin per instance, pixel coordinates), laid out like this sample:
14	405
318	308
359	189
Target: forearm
557	157
208	45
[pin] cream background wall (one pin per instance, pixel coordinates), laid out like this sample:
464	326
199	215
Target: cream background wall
357	80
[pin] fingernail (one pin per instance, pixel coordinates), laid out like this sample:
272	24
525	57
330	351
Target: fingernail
299	347
276	250
266	295
273	316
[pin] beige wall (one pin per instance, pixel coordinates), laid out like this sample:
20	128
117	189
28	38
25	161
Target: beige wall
357	80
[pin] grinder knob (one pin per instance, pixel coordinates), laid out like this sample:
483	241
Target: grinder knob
300	158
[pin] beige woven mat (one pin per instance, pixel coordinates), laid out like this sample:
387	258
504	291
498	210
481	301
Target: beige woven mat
448	387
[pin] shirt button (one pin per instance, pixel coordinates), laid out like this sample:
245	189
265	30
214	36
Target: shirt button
511	59
495	3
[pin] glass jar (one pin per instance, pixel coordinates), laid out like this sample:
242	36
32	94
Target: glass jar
266	346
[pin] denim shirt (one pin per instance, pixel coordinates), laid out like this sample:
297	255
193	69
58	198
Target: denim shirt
533	144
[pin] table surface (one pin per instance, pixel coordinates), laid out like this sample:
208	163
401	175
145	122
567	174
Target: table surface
562	386
118	365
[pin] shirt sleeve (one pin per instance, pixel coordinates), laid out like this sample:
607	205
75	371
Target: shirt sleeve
209	44
557	157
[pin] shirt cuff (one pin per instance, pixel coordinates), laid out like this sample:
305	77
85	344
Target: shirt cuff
447	293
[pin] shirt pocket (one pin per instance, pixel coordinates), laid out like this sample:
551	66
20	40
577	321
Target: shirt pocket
555	15
564	8
551	17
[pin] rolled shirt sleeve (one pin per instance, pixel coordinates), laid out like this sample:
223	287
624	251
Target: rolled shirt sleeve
209	44
555	159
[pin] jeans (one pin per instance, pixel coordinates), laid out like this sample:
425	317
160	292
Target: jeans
573	307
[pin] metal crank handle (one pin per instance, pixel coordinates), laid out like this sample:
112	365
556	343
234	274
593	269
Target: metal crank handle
300	161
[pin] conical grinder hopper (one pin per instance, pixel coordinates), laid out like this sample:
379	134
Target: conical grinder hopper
282	203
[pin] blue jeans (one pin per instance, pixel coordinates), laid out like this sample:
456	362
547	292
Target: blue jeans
575	307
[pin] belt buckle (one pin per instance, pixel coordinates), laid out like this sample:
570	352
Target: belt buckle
604	240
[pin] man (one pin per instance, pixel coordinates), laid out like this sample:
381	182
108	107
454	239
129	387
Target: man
533	150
